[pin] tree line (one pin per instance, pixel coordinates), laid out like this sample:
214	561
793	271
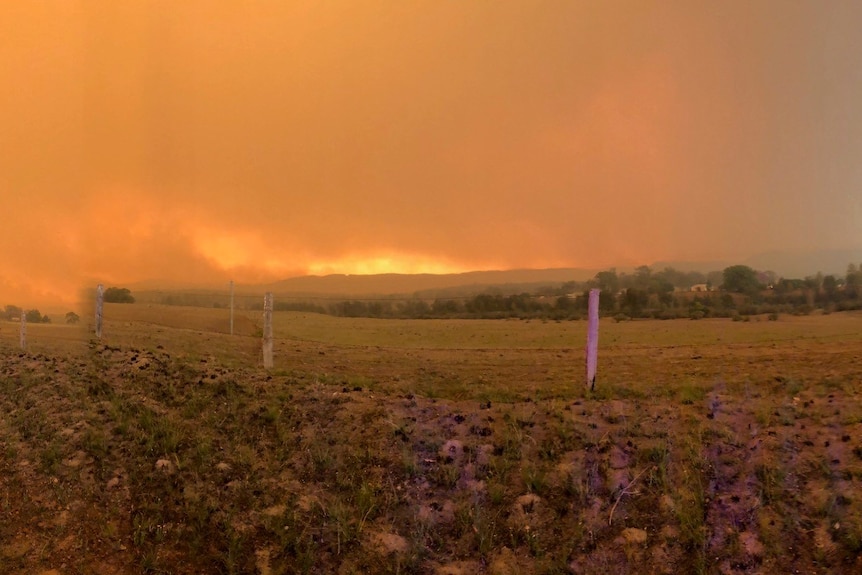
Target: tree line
14	313
737	291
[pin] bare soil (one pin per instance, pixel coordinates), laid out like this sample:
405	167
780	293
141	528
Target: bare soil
724	458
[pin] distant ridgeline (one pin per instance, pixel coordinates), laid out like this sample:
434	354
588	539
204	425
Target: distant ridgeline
737	292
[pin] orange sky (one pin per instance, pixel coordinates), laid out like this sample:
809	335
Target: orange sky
199	141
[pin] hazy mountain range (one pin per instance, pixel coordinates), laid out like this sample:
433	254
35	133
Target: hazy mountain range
511	281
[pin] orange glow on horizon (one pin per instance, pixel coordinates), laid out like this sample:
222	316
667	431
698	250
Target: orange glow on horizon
385	263
243	250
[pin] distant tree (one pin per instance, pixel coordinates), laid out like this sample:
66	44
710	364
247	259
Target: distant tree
661	286
693	278
643	275
484	303
33	316
785	285
415	308
634	300
72	317
665	296
740	279
11	312
830	287
608	282
768	277
445	307
350	309
118	295
569	288
853	281
679	279
814	282
298	306
565	303
714	279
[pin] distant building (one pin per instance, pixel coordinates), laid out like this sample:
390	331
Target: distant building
700	287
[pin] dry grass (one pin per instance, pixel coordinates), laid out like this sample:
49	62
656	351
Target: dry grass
431	447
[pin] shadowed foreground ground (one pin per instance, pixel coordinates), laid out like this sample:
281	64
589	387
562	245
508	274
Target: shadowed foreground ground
722	458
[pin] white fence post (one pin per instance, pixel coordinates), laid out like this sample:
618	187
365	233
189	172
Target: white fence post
592	338
23	332
100	298
267	330
231	307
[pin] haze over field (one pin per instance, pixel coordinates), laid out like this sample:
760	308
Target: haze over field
206	140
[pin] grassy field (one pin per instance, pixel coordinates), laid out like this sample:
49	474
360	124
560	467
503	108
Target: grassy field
430	446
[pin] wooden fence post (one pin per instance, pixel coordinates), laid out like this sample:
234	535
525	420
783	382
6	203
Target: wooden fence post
23	332
592	338
267	330
100	298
